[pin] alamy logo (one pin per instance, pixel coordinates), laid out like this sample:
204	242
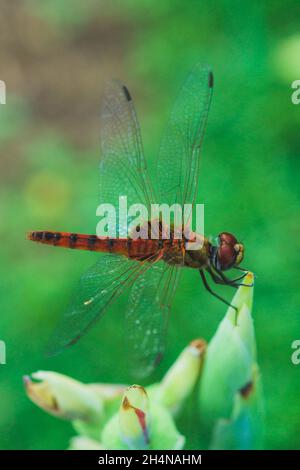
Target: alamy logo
2	353
295	357
159	221
296	94
2	92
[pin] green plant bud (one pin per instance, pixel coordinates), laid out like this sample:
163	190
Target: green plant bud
141	425
244	429
181	378
229	361
134	418
64	397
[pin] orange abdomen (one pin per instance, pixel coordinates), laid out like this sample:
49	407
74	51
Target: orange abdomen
137	249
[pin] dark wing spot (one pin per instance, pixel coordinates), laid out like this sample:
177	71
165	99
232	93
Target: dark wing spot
210	80
126	92
57	236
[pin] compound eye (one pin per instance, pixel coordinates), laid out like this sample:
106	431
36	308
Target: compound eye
226	255
228	238
229	250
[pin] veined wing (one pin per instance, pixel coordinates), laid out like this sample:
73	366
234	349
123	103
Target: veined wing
147	315
178	162
98	288
123	170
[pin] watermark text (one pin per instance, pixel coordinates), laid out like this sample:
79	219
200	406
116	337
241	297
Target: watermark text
159	222
2	352
2	92
295	357
295	97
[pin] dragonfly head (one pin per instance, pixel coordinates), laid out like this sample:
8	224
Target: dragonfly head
228	253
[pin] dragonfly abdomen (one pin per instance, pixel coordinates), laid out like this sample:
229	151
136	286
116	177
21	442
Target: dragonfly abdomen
136	249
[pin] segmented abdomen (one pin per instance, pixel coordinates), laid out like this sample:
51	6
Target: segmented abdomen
137	249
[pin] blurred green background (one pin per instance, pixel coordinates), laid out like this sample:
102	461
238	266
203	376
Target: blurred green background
55	58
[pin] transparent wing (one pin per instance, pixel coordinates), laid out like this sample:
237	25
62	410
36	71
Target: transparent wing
147	315
98	288
178	162
123	168
122	172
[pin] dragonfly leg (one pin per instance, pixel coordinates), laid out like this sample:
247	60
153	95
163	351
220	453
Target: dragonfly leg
234	282
218	280
241	269
209	289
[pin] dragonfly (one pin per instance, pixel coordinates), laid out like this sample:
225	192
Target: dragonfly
149	268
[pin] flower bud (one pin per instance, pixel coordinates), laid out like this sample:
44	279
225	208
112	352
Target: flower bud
63	397
134	418
180	379
229	362
131	428
244	428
